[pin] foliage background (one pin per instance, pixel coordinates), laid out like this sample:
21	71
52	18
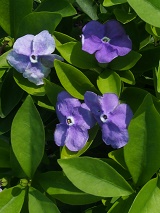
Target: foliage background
38	176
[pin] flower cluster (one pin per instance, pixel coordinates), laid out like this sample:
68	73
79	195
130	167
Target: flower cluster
31	56
107	41
76	118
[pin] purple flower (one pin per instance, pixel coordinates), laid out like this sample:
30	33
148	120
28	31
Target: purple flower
112	117
31	56
107	41
75	120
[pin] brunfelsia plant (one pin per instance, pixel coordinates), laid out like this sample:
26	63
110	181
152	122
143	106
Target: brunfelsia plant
106	160
112	117
75	120
31	56
107	41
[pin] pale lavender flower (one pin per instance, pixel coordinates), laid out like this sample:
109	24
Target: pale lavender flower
112	117
107	40
75	120
31	56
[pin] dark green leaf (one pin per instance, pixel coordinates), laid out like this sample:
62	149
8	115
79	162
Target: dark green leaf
27	137
108	3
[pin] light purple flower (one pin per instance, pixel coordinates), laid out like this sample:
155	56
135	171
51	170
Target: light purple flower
75	120
107	40
31	56
112	117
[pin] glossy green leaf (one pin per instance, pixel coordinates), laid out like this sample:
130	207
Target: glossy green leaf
72	52
3	61
37	21
27	137
125	62
89	7
122	204
12	12
10	94
123	16
39	203
95	177
62	7
142	153
147	10
62	189
108	3
73	80
155	31
12	200
28	86
5	123
4	154
147	200
52	91
63	38
127	77
66	153
109	82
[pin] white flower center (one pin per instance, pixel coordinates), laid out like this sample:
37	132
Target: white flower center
34	58
103	118
70	120
105	39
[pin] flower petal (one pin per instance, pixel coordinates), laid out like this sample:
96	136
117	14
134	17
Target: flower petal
122	44
43	43
65	105
60	134
18	61
47	60
91	44
121	116
106	54
93	28
109	102
113	29
76	138
23	45
113	135
36	72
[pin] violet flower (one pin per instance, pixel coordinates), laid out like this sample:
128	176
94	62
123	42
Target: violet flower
75	120
107	40
112	117
31	56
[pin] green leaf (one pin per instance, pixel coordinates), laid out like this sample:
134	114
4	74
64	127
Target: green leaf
52	90
5	123
155	31
3	61
62	189
72	52
27	137
109	82
125	62
108	3
95	177
127	77
28	86
142	153
4	154
12	12
73	80
37	21
63	38
123	16
62	7
12	200
123	204
147	199
39	203
66	153
10	93
147	10
89	7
